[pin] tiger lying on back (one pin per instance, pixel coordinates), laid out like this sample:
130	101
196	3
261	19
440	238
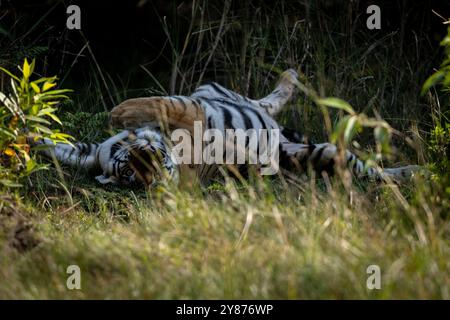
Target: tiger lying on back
141	154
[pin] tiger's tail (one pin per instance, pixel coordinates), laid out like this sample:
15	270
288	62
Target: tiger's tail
322	158
83	155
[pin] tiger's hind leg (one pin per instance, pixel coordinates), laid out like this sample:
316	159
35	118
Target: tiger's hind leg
322	158
275	101
174	112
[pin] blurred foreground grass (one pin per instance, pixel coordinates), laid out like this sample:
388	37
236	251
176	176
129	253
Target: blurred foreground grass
237	242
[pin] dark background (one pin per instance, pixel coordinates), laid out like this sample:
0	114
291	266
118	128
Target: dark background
127	36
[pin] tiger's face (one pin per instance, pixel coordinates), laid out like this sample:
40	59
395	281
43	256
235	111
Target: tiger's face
149	163
143	158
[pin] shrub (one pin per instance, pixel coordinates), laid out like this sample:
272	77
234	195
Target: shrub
27	110
86	125
439	147
439	143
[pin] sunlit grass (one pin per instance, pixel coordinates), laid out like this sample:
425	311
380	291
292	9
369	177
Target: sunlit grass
234	243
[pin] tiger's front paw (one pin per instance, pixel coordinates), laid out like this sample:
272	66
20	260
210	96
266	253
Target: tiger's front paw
106	180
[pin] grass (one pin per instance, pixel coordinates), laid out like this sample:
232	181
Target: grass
231	242
268	239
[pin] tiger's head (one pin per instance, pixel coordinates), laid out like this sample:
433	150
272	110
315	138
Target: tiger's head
143	158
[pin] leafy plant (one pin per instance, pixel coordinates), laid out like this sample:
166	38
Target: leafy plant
439	147
439	142
28	110
441	76
350	124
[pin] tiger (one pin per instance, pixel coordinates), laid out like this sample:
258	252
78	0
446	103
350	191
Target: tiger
141	153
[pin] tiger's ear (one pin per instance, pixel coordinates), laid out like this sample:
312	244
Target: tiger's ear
105	180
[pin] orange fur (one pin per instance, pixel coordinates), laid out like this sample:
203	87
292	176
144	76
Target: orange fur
165	112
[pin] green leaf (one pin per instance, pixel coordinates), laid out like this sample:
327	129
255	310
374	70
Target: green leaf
57	92
37	119
44	79
63	135
43	129
339	129
54	117
337	103
350	129
45	97
35	87
33	63
34	109
46	111
48	85
26	69
9	183
431	81
446	41
9	74
446	81
31	165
